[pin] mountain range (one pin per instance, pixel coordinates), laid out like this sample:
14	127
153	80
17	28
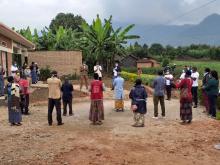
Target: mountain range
206	32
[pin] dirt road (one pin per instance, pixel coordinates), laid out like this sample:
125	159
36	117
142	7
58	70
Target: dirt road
163	141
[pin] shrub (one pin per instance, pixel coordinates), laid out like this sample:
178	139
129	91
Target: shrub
146	79
70	77
45	73
165	62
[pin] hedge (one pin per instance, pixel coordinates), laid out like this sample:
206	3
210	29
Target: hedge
146	79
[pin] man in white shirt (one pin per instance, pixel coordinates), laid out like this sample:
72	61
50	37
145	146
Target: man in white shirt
98	70
195	78
14	69
169	78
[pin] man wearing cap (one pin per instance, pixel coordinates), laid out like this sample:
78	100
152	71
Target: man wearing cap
54	99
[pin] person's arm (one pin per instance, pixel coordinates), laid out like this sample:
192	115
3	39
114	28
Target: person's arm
180	84
154	84
131	94
100	68
95	68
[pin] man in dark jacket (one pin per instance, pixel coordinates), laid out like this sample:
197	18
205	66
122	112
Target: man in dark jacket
67	90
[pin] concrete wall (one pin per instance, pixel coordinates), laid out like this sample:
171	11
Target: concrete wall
64	62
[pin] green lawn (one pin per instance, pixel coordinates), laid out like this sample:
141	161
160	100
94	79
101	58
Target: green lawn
201	65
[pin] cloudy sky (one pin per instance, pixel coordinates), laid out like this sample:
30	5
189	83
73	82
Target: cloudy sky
38	13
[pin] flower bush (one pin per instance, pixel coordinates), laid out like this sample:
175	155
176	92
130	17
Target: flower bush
146	79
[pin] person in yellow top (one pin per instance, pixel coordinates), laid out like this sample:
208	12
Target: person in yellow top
84	75
54	99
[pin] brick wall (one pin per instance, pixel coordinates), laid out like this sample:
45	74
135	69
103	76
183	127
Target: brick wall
6	40
64	62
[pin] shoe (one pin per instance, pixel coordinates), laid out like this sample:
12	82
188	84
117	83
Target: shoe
18	124
59	124
99	123
12	124
155	117
189	121
50	124
213	117
134	125
64	114
71	114
195	106
26	113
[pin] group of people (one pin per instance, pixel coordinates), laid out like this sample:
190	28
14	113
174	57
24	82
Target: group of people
188	85
18	94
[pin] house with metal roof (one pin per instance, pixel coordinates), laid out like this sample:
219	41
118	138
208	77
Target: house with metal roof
13	47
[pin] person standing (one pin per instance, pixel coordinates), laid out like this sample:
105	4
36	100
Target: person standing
67	90
84	75
14	69
33	69
116	69
24	95
2	73
118	85
205	80
159	85
139	72
185	86
98	70
212	90
138	96
169	79
13	92
96	114
195	78
54	99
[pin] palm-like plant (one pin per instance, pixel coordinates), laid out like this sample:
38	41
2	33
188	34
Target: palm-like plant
100	42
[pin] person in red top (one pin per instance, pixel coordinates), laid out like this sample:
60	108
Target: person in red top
24	95
185	86
96	109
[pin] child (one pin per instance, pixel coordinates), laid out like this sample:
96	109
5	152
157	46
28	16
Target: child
67	97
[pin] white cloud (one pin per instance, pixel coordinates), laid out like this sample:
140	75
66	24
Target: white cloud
39	13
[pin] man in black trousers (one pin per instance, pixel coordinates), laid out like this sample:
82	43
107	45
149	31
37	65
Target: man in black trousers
54	99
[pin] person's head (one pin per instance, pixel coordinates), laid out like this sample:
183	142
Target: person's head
214	74
84	63
167	72
32	63
54	73
194	69
97	63
207	70
10	79
66	80
15	63
160	72
138	82
96	76
116	64
188	73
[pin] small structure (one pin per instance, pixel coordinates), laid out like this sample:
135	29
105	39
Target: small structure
128	61
13	47
147	63
64	62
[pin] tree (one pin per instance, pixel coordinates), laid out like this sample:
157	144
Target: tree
156	49
100	42
67	21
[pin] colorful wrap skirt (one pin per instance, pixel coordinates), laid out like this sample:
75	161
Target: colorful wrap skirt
186	110
96	111
119	104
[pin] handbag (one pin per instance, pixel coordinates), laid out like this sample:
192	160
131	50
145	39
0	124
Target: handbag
134	107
